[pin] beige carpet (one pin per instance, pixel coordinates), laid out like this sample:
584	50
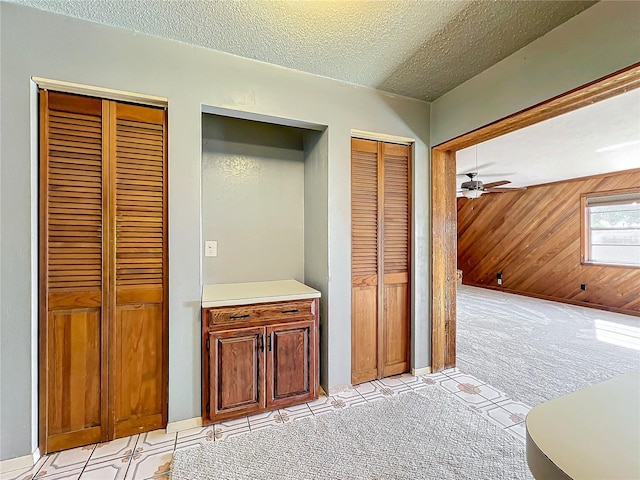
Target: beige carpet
535	350
425	435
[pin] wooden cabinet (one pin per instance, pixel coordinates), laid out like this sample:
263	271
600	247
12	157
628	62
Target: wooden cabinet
258	357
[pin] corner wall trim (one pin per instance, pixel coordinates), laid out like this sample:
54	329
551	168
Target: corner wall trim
19	463
420	371
91	91
173	427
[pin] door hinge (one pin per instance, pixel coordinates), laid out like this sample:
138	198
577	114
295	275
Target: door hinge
207	344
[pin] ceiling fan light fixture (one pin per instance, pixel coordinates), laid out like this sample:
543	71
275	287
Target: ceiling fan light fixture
472	193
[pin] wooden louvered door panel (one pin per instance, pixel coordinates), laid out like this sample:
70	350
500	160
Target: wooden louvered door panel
380	222
139	340
396	320
364	260
72	393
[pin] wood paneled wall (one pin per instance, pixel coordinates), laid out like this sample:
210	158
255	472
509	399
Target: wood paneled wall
533	238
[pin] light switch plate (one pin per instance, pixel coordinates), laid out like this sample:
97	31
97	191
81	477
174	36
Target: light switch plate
211	248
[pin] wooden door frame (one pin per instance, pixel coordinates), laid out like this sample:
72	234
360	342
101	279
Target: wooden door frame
443	198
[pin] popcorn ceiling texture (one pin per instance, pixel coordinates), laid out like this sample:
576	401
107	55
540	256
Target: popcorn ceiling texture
416	48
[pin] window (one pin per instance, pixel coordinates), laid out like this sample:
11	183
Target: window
612	228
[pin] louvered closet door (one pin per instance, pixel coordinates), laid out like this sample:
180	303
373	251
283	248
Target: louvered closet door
139	340
380	243
364	260
103	270
73	390
396	256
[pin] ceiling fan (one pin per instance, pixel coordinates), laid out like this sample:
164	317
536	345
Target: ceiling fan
474	188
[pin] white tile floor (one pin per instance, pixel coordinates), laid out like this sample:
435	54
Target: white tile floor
149	455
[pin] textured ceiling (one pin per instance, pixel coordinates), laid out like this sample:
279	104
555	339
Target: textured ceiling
600	138
416	48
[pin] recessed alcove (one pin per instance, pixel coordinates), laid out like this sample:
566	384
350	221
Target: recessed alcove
265	201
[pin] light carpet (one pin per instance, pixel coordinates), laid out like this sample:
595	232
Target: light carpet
425	435
535	350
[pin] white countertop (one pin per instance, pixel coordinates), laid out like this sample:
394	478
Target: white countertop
591	433
229	294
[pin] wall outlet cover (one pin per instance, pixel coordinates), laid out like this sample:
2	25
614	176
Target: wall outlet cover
211	248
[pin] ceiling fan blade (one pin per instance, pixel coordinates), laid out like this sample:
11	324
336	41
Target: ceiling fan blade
496	184
480	166
503	190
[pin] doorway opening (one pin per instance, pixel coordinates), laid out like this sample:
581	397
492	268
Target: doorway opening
443	198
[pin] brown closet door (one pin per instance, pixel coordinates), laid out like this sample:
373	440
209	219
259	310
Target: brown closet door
380	242
72	390
103	270
364	260
396	319
139	331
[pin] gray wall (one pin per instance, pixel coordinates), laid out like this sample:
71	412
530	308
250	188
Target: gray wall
37	43
599	41
316	238
252	200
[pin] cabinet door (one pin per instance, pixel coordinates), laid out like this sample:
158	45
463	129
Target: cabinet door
291	363
236	372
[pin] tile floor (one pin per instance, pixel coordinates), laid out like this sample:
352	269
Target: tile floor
148	455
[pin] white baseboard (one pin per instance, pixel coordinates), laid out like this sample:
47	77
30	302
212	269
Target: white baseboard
180	425
420	371
20	463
